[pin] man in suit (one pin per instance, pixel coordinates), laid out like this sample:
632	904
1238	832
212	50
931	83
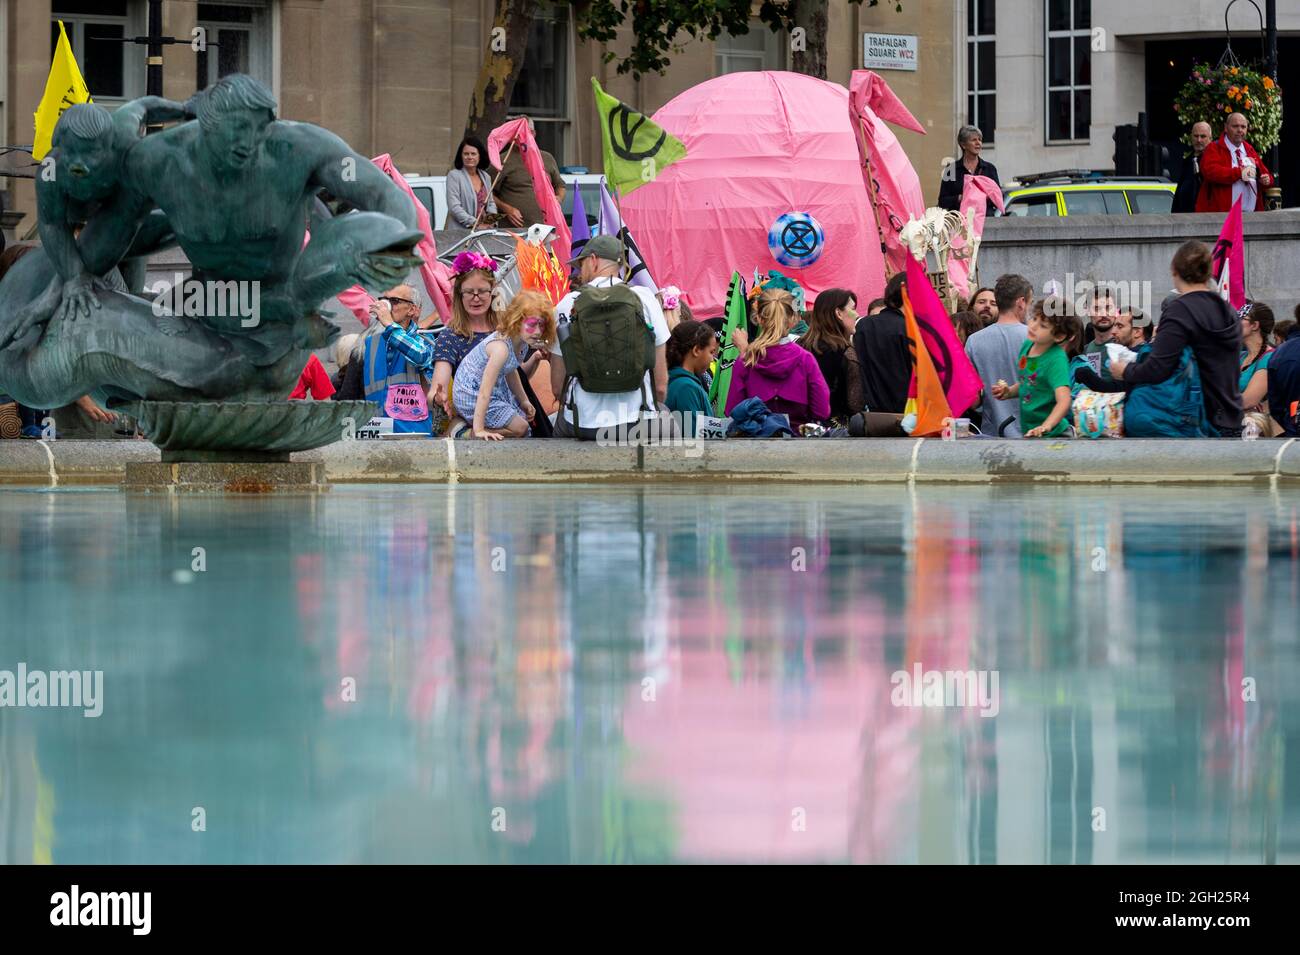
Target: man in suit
1189	183
1232	170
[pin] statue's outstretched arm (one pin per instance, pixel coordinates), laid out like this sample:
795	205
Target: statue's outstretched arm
348	175
108	236
149	109
61	246
56	234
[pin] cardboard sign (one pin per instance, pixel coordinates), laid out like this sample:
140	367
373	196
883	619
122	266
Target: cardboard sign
374	429
710	428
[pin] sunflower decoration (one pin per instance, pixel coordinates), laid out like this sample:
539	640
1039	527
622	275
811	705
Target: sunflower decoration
1212	93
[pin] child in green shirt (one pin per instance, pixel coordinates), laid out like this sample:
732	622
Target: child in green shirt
1043	380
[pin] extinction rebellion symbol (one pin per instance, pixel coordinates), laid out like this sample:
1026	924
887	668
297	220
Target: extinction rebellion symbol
796	240
622	136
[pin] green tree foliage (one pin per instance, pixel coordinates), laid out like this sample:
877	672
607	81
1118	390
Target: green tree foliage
661	28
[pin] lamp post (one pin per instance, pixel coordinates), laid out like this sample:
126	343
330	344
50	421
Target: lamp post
1270	60
154	41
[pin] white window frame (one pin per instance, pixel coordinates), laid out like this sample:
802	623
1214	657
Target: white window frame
774	46
260	58
133	54
973	43
565	122
1072	87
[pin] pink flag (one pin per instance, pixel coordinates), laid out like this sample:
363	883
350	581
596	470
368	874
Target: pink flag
976	193
517	131
897	190
961	383
1230	260
436	275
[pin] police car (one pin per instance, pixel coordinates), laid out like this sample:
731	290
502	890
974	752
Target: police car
1081	193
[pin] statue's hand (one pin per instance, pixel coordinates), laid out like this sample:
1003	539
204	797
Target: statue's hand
78	297
380	271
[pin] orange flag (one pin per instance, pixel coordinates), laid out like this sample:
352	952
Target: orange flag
539	269
931	403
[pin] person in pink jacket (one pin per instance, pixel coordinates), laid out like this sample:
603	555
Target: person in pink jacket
774	368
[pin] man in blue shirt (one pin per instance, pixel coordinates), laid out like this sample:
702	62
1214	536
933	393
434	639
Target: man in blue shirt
396	360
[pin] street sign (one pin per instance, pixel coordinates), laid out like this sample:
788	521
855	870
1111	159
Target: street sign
889	51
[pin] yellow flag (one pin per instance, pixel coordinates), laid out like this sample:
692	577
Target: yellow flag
63	88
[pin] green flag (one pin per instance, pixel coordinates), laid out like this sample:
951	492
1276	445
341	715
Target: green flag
736	314
636	148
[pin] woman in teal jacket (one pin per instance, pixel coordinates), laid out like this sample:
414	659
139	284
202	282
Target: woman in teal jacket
690	349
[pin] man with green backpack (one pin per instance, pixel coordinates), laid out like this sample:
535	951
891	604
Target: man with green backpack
608	367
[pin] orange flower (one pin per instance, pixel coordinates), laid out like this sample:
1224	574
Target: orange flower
1227	109
1268	82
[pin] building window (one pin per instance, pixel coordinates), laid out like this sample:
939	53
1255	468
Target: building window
759	49
981	67
113	70
238	40
1069	70
543	89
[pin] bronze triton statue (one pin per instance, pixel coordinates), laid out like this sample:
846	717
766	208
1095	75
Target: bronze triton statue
236	189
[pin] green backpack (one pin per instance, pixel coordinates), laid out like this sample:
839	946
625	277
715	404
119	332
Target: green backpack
610	348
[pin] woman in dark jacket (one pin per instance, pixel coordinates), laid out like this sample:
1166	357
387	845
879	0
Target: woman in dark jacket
1198	319
830	340
884	353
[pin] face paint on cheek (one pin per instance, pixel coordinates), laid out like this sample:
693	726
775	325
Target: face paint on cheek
532	327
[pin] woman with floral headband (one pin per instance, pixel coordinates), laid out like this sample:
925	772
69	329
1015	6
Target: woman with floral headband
488	386
473	318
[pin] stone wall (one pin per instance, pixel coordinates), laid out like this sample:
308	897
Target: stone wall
1139	249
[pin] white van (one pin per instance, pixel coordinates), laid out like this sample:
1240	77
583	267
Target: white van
432	191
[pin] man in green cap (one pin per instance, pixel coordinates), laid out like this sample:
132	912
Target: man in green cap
600	267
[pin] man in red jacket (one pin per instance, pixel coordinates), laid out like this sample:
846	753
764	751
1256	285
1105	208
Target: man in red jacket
1231	169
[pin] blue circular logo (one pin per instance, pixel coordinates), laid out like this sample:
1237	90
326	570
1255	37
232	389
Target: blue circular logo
796	240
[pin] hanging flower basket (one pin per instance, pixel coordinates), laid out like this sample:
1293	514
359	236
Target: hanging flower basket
1212	93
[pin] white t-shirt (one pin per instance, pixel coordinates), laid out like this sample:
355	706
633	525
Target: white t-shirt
606	411
1243	189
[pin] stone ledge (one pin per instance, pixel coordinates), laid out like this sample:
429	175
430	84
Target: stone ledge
880	461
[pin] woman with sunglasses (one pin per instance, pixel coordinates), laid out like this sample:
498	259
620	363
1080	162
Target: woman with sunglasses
473	317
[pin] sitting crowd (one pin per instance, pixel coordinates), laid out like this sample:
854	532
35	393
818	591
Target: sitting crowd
619	355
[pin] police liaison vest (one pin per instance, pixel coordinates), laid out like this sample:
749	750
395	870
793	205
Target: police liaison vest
385	367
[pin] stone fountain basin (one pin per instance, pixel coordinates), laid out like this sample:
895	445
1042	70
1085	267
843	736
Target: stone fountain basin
247	431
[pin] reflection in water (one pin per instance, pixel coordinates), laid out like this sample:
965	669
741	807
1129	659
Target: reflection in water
615	674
